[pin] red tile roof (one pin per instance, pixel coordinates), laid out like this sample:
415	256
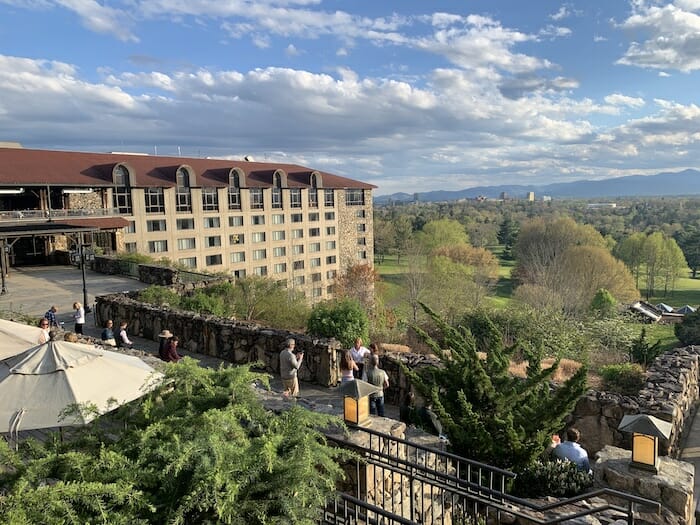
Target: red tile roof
31	167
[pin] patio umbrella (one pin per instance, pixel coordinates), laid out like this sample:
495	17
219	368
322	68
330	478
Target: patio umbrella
38	384
17	337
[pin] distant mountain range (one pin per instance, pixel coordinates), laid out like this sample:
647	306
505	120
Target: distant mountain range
685	182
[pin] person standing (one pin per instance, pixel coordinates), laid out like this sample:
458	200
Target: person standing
51	316
163	342
79	316
123	340
347	367
377	377
359	353
107	335
289	365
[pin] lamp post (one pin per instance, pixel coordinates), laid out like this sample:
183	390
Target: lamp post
3	264
646	431
83	255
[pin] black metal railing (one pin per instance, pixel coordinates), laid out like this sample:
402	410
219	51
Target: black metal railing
413	482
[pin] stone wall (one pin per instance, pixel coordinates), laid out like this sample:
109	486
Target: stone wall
670	393
234	341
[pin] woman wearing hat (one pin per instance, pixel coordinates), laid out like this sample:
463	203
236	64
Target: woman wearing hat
164	340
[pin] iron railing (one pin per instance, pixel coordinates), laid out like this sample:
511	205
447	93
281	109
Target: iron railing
45	215
420	484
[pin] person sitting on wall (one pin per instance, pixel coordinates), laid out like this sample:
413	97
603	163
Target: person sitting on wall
107	334
570	450
123	340
171	354
163	342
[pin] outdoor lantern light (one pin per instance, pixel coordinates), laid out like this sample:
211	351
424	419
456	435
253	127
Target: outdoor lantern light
646	431
356	401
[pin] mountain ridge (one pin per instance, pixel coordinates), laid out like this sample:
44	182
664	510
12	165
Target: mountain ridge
686	182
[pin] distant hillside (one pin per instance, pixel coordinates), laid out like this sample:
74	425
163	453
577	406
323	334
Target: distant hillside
681	183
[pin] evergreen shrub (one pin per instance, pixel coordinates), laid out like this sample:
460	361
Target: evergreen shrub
551	478
624	378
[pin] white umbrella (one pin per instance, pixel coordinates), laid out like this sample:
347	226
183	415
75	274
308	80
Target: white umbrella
17	337
38	384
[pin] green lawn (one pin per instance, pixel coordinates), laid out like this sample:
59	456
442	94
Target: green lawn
687	292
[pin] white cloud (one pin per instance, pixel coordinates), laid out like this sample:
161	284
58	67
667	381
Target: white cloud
291	51
671	36
616	99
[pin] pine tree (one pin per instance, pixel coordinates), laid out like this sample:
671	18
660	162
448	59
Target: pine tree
488	414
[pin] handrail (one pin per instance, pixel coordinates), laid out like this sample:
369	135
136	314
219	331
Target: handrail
472	488
46	215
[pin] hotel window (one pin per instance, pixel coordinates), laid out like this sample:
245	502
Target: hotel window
330	245
354	197
236	238
331	259
328	198
314	217
121	196
315	262
278	235
297	234
360	214
278	218
130	247
313	198
212	241
256	199
362	241
317	292
131	227
330	215
295	197
186	244
314	232
238	274
276	191
214	260
297	217
316	277
298	249
330	230
157	246
280	251
362	254
210	199
188	262
314	247
259	237
183	195
330	274
235	220
362	227
156	226
212	222
298	265
259	254
237	257
280	268
260	270
185	224
234	191
155	200
299	280
330	290
257	220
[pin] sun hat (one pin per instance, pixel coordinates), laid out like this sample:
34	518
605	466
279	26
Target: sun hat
165	333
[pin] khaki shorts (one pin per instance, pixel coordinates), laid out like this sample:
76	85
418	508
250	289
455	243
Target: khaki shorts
291	386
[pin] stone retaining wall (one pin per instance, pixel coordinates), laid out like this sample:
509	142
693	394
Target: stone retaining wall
670	393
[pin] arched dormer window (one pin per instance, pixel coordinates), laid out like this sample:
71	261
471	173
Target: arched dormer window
277	184
314	183
121	195
183	195
236	180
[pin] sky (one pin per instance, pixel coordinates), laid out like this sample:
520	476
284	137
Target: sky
408	95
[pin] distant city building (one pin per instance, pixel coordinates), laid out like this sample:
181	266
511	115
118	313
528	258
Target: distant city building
546	198
504	196
594	205
531	196
299	226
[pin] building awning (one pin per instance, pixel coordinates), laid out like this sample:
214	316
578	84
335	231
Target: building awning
61	226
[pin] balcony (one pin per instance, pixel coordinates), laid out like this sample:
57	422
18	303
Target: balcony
26	216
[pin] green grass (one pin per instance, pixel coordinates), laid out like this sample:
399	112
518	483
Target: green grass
687	292
663	332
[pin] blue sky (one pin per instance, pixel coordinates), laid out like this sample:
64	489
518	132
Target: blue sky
405	94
